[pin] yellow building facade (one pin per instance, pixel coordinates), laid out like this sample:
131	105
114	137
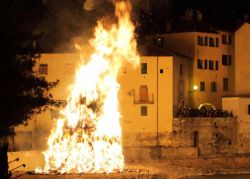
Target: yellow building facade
148	99
212	70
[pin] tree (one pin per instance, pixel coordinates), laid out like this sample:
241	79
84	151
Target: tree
23	92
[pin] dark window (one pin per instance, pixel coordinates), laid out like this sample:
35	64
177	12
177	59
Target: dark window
224	39
143	93
199	64
202	86
205	64
200	40
211	65
43	68
144	110
181	69
161	70
229	39
229	60
213	86
225	84
217	42
217	65
144	68
206	41
226	60
249	109
211	42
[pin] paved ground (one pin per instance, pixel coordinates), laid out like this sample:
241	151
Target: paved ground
162	169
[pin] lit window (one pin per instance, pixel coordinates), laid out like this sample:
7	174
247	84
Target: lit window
43	69
202	86
213	86
144	68
144	110
225	84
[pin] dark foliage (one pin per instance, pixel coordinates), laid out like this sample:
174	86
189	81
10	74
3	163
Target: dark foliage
193	112
22	91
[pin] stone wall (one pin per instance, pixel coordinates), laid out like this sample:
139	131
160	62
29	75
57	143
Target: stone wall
211	136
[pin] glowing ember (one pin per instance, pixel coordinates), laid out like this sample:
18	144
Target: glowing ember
87	139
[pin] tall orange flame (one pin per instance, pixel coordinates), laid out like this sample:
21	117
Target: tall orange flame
87	139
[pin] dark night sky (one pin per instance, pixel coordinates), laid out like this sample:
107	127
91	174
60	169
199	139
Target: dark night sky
57	22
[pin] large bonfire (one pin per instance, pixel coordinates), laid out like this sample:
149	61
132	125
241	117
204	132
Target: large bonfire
87	138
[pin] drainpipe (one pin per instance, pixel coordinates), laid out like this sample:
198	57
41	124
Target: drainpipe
157	124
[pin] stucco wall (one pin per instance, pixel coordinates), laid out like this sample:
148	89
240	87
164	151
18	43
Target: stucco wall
242	60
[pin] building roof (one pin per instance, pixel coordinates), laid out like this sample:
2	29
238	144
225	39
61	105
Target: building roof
153	50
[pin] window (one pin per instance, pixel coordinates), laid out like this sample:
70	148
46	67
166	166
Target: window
181	69
213	86
226	60
206	41
202	86
217	42
43	69
143	93
205	64
161	70
144	68
229	38
144	110
211	42
217	65
249	109
226	39
200	40
229	60
199	64
211	65
225	84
